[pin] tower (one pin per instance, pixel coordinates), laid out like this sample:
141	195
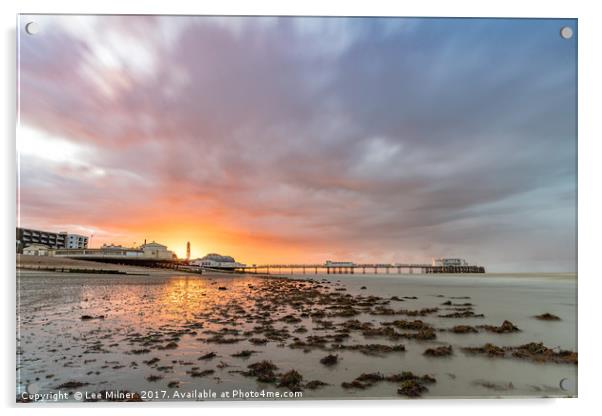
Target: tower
188	250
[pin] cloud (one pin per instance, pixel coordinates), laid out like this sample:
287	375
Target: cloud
370	139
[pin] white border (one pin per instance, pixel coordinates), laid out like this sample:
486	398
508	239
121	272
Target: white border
590	207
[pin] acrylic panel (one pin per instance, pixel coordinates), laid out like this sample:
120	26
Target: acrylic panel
295	208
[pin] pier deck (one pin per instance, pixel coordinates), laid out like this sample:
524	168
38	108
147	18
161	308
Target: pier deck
358	268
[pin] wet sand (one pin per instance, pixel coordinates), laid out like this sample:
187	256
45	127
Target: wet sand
180	332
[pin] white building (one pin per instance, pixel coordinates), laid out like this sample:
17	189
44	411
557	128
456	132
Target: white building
119	250
157	251
449	262
61	240
150	251
28	236
36	250
330	263
73	241
217	261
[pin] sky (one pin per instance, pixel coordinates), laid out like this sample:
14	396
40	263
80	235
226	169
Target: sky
303	139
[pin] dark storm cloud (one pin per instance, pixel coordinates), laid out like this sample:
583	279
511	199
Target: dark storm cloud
373	139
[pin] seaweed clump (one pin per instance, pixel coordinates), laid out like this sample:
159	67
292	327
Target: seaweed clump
504	328
244	353
363	381
411	384
463	314
416	325
208	356
197	374
463	329
315	384
374	349
533	351
71	385
412	388
263	371
442	351
540	353
330	360
292	380
89	317
488	349
547	317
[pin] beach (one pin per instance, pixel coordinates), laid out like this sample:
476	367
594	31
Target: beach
186	334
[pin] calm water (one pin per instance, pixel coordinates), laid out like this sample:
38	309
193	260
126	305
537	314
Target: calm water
56	346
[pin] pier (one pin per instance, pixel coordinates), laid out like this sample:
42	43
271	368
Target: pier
163	259
357	269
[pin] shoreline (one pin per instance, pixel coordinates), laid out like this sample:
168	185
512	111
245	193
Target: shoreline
65	265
